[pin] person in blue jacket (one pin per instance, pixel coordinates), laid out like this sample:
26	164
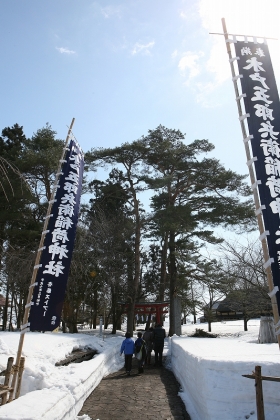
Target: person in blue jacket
128	349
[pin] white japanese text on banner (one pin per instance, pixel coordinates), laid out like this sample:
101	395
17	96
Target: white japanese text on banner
52	275
263	116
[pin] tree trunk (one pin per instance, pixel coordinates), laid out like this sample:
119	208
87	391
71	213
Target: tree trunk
5	310
163	268
95	307
63	326
119	323
72	326
19	317
130	318
245	324
267	330
209	326
11	314
131	298
134	289
106	320
116	317
148	323
70	316
115	309
173	282
194	316
194	311
91	318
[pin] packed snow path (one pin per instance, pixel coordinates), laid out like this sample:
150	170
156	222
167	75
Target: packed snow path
150	395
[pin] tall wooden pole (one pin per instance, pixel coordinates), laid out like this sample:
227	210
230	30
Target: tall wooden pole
253	182
33	278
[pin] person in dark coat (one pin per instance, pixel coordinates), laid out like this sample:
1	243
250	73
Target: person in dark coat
128	348
140	352
158	340
148	338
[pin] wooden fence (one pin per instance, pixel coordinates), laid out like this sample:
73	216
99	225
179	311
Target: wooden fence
257	375
8	393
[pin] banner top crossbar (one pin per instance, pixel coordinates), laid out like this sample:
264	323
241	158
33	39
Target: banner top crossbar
250	36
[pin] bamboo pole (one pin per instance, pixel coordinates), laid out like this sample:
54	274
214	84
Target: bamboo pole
20	373
248	36
7	378
252	179
37	261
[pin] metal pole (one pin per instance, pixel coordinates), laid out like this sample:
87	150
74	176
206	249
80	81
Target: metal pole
33	278
252	178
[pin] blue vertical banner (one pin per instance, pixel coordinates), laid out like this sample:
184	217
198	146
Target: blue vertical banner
262	109
53	270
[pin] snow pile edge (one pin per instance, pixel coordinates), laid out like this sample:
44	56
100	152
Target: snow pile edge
61	403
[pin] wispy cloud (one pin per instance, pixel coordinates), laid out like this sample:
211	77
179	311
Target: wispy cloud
189	64
143	48
183	15
205	94
205	73
242	17
110	11
65	50
200	74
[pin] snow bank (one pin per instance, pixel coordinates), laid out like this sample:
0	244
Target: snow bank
210	373
57	393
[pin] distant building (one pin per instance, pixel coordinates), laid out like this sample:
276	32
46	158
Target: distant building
239	304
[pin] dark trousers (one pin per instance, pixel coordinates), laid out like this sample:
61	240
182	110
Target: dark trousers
158	354
127	362
141	362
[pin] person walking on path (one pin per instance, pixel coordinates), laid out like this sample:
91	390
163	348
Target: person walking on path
159	336
148	338
128	348
140	352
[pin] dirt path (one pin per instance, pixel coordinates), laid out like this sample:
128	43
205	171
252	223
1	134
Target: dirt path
151	395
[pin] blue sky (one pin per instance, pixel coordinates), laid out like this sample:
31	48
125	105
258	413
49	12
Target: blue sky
121	67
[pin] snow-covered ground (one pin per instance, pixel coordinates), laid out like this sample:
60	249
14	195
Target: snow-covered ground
209	370
57	393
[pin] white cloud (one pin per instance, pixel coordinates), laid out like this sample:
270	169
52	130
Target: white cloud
189	64
144	48
183	15
204	95
204	73
218	64
110	11
250	17
202	77
65	50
